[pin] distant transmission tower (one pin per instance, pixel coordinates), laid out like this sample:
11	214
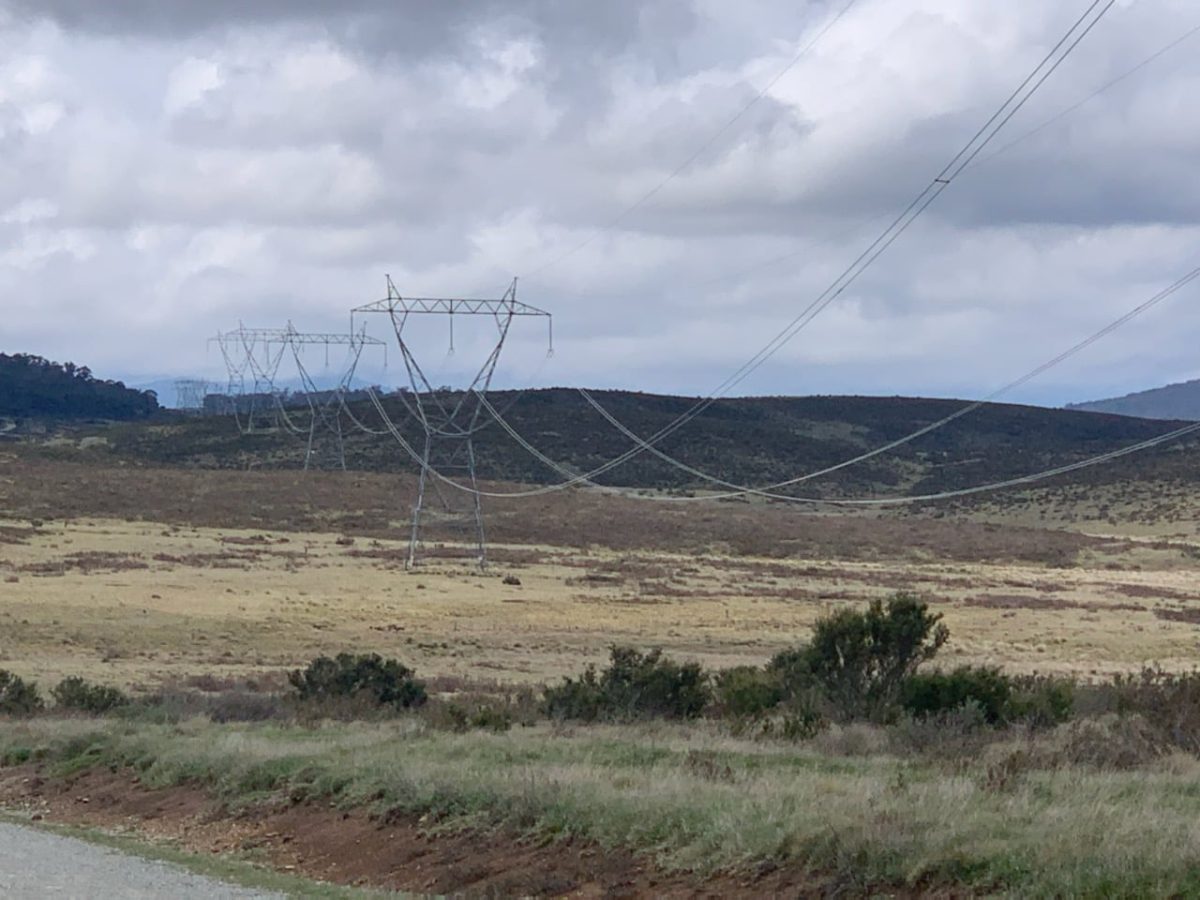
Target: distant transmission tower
190	394
252	361
450	418
259	353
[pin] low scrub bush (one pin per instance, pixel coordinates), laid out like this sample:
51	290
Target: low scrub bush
465	715
77	694
861	660
926	694
17	696
635	685
1169	702
1041	701
955	736
364	677
747	692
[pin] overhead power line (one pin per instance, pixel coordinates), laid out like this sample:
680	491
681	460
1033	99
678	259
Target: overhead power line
948	174
1079	29
740	273
700	151
769	490
1033	478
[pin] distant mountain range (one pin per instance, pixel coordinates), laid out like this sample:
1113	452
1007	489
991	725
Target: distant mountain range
1175	401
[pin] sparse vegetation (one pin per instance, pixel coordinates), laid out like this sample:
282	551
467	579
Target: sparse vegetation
75	693
17	696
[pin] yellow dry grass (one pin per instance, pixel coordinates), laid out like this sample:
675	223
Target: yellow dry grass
142	604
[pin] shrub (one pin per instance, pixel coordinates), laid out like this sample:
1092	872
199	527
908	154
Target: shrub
934	693
1167	701
367	676
635	685
576	698
746	692
17	696
957	735
1041	701
460	716
861	660
78	694
244	706
802	722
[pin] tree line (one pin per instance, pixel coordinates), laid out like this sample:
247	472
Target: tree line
33	387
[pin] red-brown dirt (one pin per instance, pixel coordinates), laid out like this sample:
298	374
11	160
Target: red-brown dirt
357	848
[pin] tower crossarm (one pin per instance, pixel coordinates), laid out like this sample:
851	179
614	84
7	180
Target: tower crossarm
450	306
289	336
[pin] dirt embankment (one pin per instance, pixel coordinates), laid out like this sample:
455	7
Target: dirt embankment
358	848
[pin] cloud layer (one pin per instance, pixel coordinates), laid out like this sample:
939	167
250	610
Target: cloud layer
174	167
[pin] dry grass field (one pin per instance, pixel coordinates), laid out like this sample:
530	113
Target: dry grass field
198	587
147	578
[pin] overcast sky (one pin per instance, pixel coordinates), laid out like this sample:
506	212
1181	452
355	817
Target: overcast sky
172	167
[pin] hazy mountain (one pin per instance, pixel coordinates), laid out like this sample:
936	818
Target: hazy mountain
1175	401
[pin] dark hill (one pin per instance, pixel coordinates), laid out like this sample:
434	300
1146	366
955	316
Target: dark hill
1175	401
750	440
35	388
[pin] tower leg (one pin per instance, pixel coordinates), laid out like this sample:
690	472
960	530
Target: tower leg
477	506
312	433
415	538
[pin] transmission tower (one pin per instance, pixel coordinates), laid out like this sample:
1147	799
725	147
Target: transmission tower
259	352
449	417
190	394
252	357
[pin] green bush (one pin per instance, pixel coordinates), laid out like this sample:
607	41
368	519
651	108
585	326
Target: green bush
746	692
934	693
576	698
635	685
802	722
367	676
1169	701
1042	701
861	660
17	696
75	693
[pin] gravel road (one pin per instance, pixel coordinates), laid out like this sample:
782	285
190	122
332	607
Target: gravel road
35	864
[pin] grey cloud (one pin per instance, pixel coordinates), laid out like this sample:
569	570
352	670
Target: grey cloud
274	193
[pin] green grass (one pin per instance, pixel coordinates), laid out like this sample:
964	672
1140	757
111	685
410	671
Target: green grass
873	820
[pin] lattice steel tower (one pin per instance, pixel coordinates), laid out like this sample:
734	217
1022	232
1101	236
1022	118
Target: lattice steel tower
259	352
450	418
